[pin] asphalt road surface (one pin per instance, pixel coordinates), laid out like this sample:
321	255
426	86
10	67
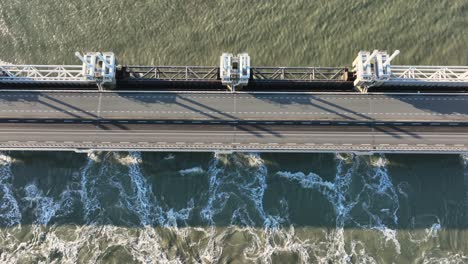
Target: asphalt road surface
225	106
233	122
234	137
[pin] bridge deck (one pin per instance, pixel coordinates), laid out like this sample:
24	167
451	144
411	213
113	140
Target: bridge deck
226	106
234	122
263	138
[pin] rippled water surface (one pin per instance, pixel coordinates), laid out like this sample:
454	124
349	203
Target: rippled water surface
237	208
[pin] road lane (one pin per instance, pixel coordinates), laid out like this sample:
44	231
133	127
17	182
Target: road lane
226	106
233	138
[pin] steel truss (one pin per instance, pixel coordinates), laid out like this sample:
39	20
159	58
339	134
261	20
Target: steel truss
46	73
429	73
374	69
179	73
299	73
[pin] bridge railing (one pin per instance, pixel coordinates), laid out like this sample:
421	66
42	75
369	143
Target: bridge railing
299	73
34	73
429	73
188	73
375	69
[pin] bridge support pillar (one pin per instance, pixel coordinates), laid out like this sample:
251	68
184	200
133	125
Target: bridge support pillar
99	67
372	69
234	71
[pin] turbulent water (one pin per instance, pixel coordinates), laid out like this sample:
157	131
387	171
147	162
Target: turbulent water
236	208
239	208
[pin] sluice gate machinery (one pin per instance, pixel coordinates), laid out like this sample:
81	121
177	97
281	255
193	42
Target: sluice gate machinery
374	71
101	71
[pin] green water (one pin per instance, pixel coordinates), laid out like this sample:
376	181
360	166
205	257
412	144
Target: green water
285	33
238	208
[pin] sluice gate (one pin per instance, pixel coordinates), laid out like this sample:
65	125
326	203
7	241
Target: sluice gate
369	72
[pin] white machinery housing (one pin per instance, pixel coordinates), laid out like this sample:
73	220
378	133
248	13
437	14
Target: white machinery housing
234	71
373	70
100	67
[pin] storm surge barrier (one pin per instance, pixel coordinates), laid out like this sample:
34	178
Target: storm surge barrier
101	71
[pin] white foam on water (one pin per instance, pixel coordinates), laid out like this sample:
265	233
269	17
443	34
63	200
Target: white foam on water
133	158
193	170
172	216
44	208
334	191
142	200
359	253
343	202
140	187
456	258
421	234
88	192
246	182
379	184
255	190
169	156
270	242
10	213
209	210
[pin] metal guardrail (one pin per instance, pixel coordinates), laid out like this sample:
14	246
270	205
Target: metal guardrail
188	73
375	69
429	73
299	73
259	73
49	73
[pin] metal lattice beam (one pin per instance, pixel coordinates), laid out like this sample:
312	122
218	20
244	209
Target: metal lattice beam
299	73
34	73
429	73
191	73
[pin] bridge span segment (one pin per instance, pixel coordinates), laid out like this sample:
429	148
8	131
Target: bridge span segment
233	122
